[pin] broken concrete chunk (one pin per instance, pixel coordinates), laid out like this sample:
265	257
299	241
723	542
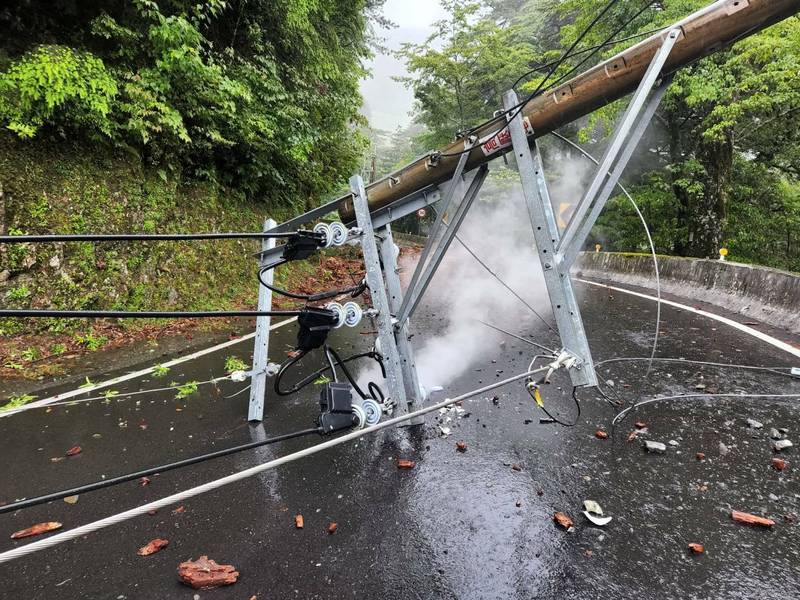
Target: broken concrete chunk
775	434
753	424
204	573
673	443
780	445
748	519
656	447
563	520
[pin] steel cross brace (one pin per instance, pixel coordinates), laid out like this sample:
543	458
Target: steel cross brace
558	253
626	138
380	301
426	272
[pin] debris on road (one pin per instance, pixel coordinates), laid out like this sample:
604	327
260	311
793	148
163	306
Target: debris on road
640	425
696	548
404	463
152	547
516	467
780	445
445	431
144	481
74	450
594	513
37	529
461	446
71	499
700	456
778	464
179	510
332	528
748	519
600	434
753	424
563	521
298	521
656	447
775	434
204	574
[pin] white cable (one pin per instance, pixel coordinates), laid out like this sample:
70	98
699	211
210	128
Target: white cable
82	530
119	396
623	413
649	239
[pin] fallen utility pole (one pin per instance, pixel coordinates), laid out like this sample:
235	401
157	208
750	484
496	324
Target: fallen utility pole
702	33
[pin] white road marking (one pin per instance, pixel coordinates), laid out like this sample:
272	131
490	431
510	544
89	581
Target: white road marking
736	325
147	371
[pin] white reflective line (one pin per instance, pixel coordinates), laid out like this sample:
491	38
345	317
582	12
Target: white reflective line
147	371
735	324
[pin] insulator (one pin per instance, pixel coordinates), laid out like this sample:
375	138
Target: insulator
338	309
325	230
352	314
339	234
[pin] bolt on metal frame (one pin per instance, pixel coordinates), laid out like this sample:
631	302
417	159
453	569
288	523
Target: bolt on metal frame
557	252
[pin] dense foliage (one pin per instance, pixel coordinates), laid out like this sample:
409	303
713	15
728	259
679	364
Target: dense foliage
722	169
260	95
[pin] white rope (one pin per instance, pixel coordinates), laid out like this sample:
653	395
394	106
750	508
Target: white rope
622	414
77	532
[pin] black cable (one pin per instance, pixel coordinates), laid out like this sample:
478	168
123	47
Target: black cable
138	237
313	376
330	363
592	49
354	291
555	419
97	485
376	391
537	91
348	375
116	314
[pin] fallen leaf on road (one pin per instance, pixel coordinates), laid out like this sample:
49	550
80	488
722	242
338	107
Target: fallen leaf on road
204	573
700	456
563	520
747	518
632	435
461	446
152	547
640	424
37	529
404	463
333	527
600	434
144	481
74	450
298	521
179	510
71	499
516	467
696	548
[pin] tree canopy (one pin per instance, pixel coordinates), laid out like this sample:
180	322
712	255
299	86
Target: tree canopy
260	95
722	166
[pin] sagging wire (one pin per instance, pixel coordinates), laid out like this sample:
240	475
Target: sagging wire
649	239
591	49
622	414
288	364
354	291
538	91
105	483
520	338
235	376
499	279
774	370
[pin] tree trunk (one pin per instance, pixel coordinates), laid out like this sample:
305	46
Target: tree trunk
709	212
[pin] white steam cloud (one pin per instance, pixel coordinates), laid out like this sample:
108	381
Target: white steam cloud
497	229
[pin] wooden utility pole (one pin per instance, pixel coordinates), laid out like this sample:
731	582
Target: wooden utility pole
702	33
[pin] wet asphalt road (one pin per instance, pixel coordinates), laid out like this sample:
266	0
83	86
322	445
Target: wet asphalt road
458	525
